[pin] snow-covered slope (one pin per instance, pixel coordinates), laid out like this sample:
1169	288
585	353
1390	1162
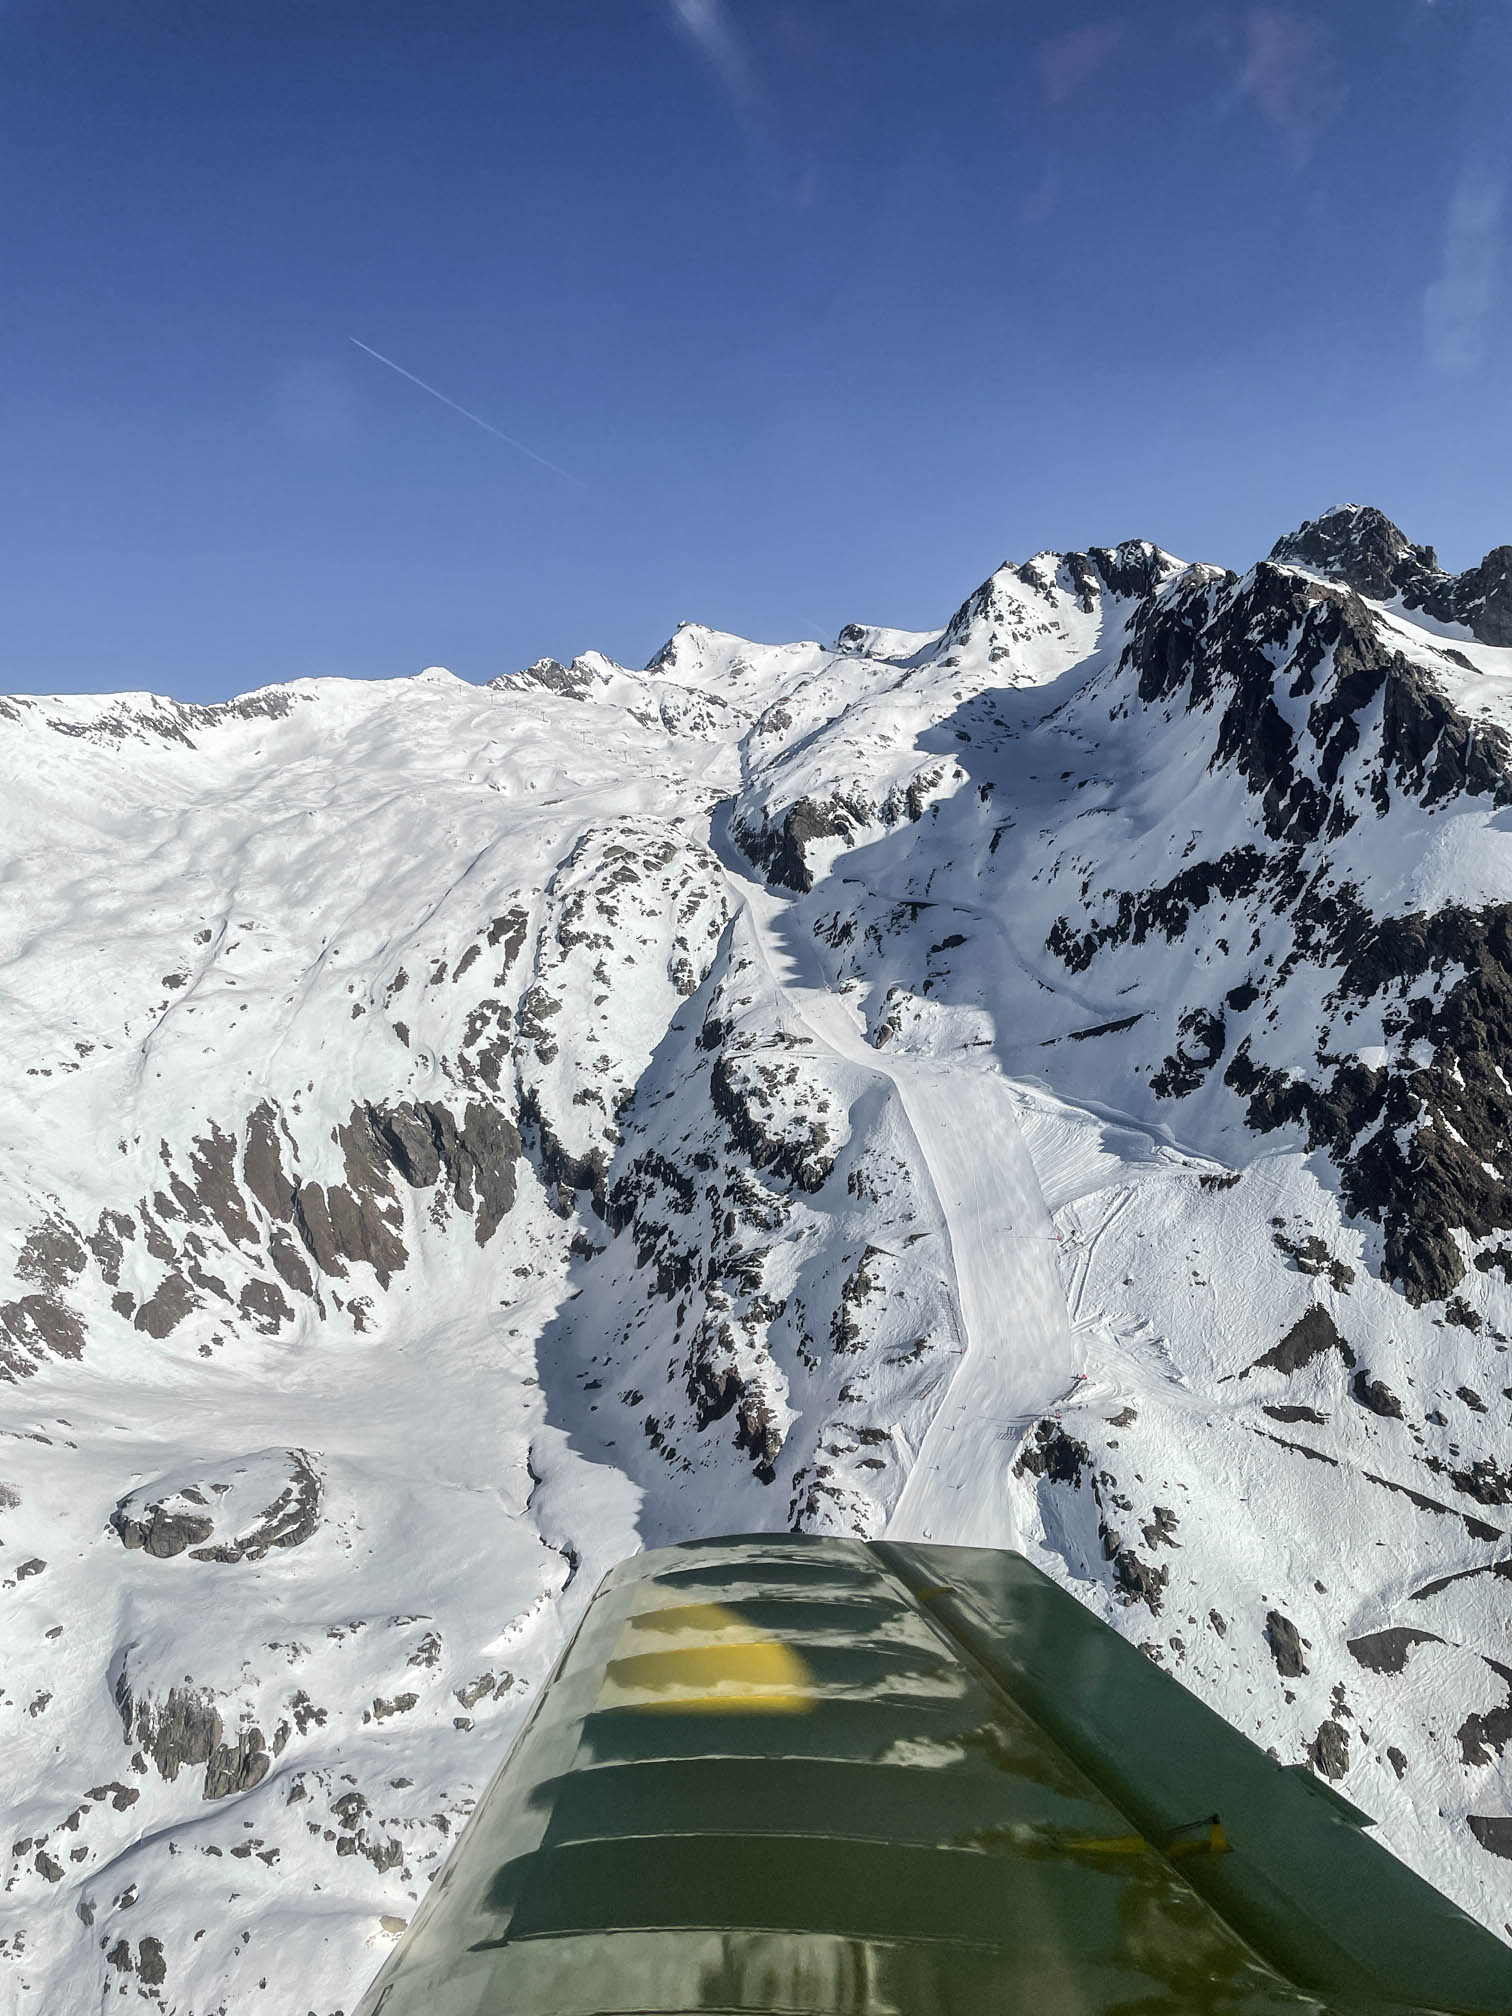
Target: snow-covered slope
1037	1082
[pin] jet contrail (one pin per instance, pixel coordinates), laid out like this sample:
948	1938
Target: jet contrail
487	425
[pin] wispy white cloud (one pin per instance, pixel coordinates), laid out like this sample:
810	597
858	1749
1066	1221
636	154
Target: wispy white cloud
1283	64
1457	305
708	25
1289	76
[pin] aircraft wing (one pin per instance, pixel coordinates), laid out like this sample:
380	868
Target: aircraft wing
810	1775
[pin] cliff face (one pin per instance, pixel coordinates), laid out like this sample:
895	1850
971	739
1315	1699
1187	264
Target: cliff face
1036	1083
1362	548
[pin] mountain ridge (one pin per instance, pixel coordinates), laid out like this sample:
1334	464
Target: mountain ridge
1029	1083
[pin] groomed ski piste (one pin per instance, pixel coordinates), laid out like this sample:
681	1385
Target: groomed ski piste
1017	1362
1029	1083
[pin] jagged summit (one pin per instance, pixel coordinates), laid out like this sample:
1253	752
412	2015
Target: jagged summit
1360	546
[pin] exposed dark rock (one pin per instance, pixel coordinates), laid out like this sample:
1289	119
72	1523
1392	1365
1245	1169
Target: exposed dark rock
740	1087
289	1262
570	682
1313	1333
1100	1029
31	1329
1298	1413
288	1520
1203	1035
1387	1651
381	1709
306	1714
262	1163
1376	1395
52	1255
163	1533
509	931
166	1307
1415	1145
1311	1256
106	1243
1428	1135
713	1391
1137	1581
568	1172
1162	1528
1485	1734
1476	1528
212	1160
485	1060
538	1010
846	1332
488	1147
351	1807
1286	1643
1328	1753
1493	1832
120	1796
238	1766
411	1138
1054	1455
1482	1480
1166	910
780	853
188	1516
264	1307
181	1729
757	1432
1359	545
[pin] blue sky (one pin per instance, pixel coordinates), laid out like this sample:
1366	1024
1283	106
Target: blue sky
824	307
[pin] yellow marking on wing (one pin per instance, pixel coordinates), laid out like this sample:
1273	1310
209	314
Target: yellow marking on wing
1109	1844
1212	1841
710	1661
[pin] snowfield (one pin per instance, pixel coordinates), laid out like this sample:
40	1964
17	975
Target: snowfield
1041	1082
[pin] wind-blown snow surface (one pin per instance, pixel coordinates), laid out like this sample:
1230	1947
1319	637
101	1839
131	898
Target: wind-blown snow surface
1036	1083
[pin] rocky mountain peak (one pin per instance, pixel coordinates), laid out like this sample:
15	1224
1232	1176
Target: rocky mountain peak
1358	545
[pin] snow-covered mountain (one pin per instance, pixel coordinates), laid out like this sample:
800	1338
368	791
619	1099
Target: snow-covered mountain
1041	1082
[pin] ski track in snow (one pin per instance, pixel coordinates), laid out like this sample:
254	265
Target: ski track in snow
1019	1359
